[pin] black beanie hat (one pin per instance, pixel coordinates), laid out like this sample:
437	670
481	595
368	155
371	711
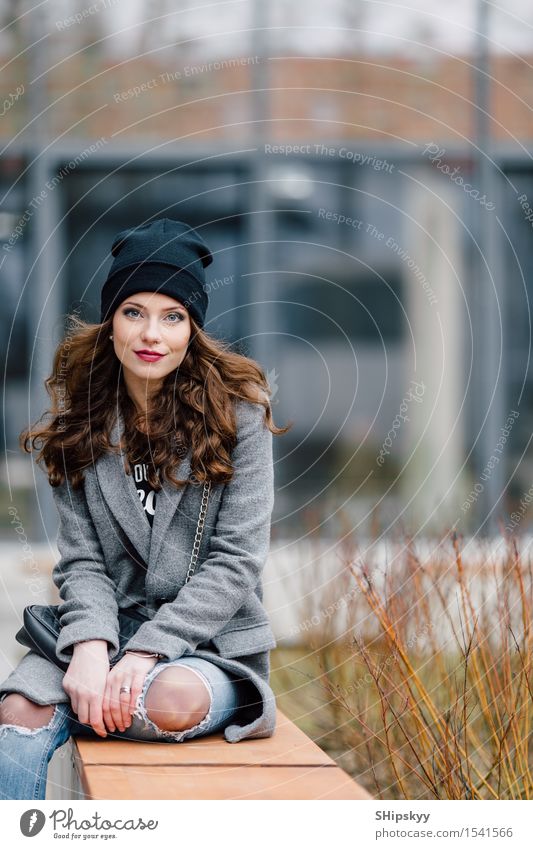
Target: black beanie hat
163	256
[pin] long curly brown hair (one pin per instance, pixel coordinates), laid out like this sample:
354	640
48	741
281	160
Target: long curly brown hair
195	407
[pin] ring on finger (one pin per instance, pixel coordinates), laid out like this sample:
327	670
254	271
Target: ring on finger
125	697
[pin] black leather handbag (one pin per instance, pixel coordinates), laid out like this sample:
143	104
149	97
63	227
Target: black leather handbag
41	628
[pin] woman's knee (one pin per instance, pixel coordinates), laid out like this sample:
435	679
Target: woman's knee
177	699
16	709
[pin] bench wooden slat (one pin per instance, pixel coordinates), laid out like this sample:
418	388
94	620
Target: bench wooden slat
202	782
289	746
286	766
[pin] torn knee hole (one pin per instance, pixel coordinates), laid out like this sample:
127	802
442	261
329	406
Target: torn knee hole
23	729
167	720
24	721
151	708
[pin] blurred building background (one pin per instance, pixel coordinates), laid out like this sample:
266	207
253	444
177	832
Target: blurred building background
362	173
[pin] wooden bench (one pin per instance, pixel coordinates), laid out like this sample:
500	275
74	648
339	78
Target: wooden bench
288	765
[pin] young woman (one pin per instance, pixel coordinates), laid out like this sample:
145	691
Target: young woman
159	452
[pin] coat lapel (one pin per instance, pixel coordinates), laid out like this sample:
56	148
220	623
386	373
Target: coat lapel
120	493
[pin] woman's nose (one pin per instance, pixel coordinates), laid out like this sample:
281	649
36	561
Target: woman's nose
151	331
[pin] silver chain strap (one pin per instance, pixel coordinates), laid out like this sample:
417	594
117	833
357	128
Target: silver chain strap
199	530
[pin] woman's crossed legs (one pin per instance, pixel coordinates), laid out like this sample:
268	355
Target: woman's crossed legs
180	699
176	700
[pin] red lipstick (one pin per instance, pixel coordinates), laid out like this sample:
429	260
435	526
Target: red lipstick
149	356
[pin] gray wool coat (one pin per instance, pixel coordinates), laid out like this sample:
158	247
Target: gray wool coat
110	558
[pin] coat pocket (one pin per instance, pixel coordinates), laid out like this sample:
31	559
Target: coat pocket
242	641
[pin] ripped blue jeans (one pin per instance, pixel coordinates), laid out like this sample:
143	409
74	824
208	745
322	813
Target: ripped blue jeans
25	753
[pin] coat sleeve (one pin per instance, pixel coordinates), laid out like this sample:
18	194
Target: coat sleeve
237	554
89	609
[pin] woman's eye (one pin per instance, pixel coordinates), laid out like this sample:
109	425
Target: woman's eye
178	315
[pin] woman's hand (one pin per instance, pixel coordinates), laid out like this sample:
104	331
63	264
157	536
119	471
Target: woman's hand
117	707
85	682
